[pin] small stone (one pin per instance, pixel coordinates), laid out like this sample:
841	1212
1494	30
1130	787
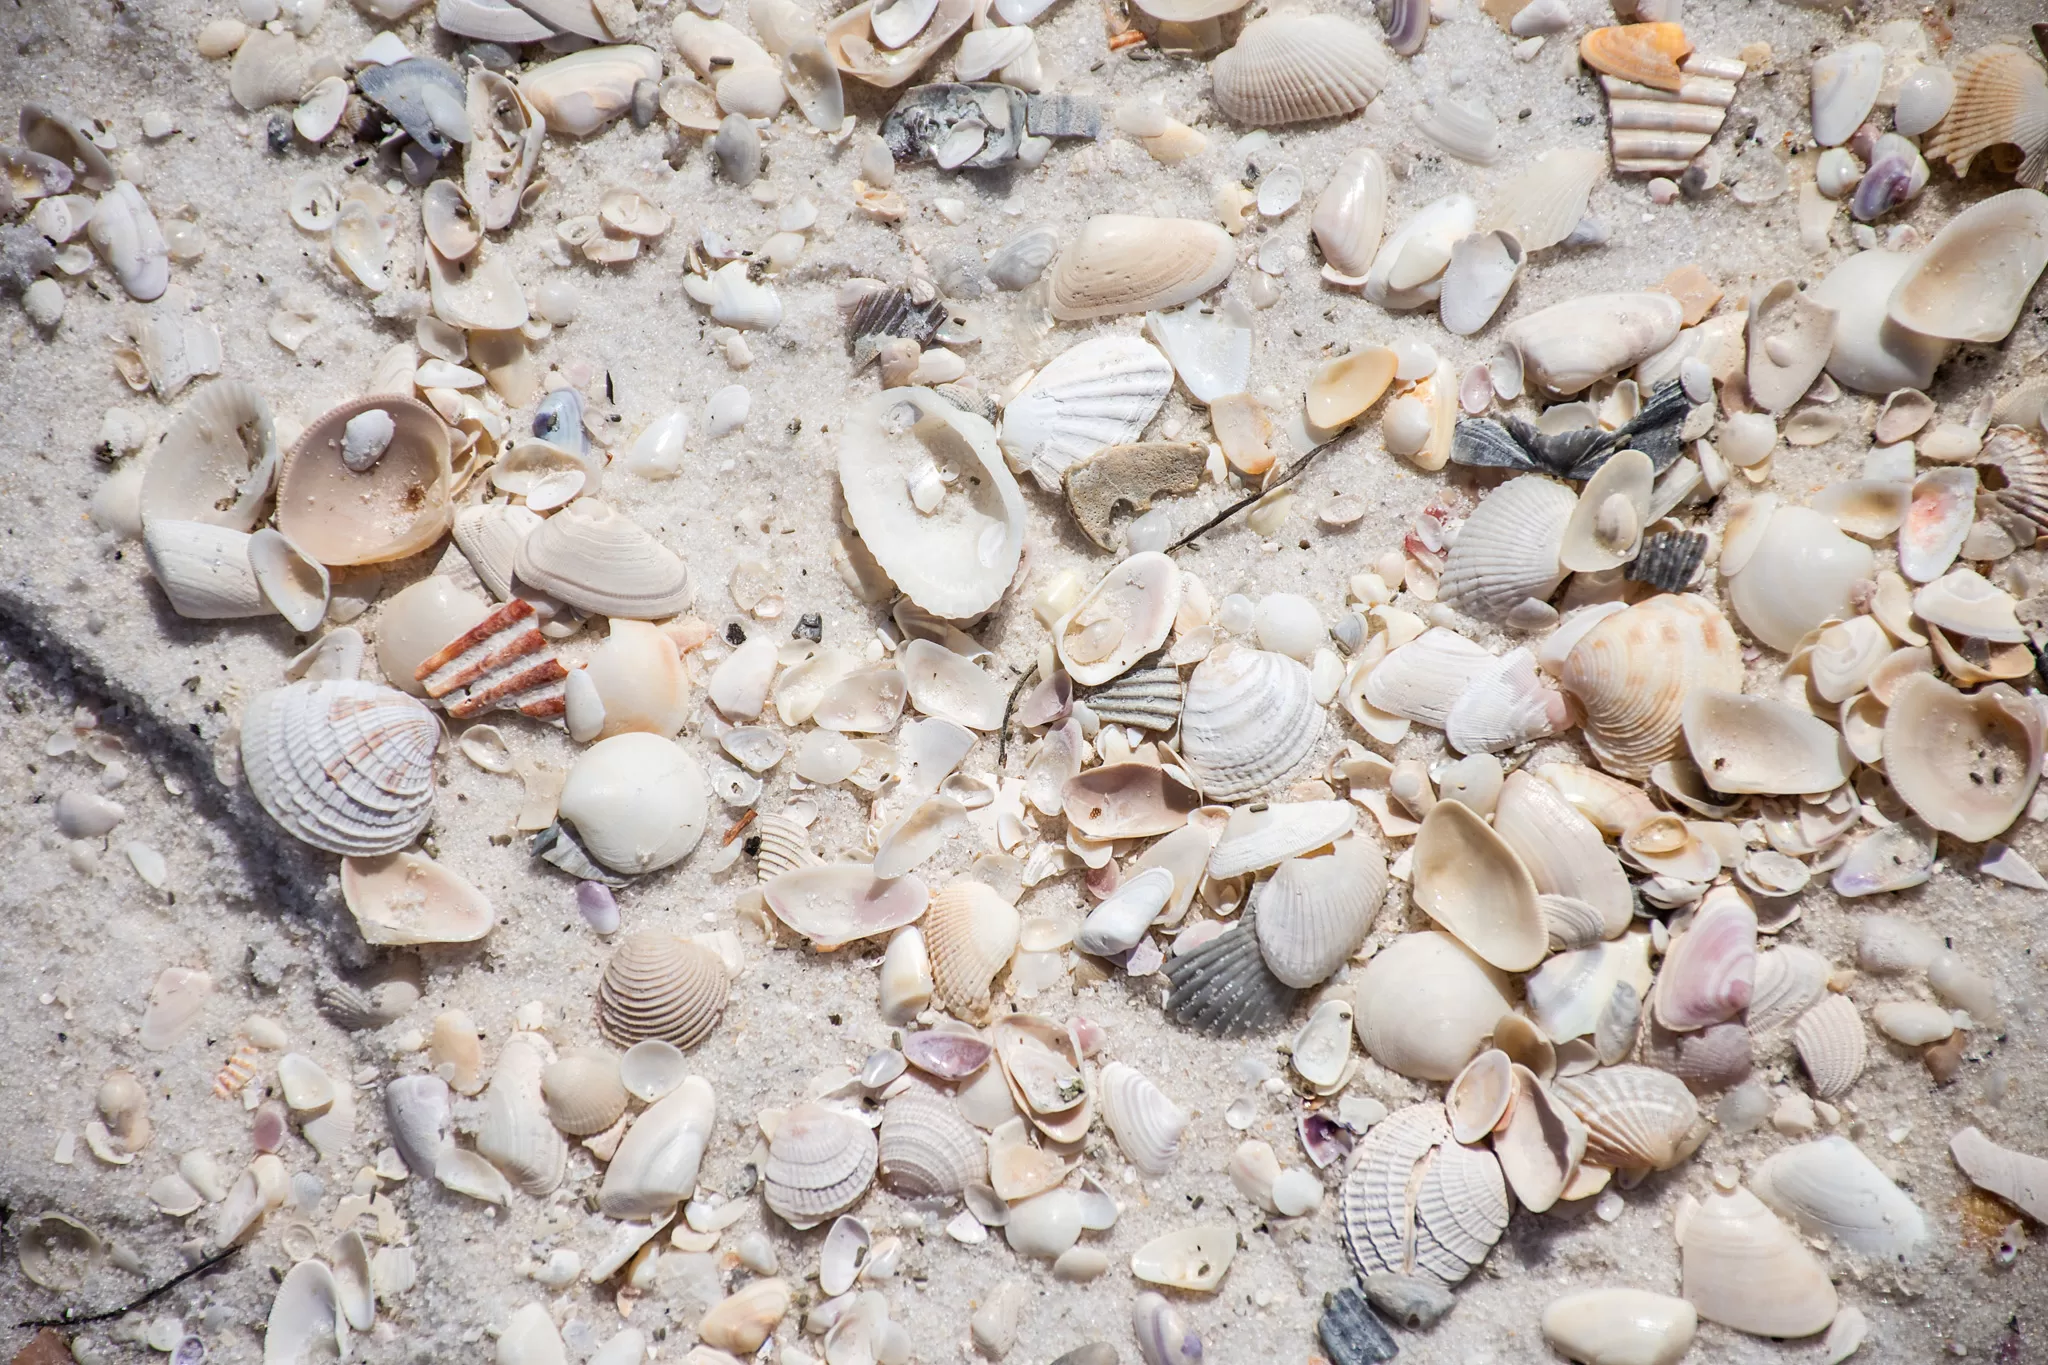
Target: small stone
1409	1300
43	301
1352	1333
157	125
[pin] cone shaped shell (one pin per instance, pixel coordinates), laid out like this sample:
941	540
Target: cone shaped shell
1146	1124
820	1162
398	507
970	931
1315	912
1637	1118
1290	68
1745	1269
344	766
1830	1188
1417	1203
660	986
1563	850
1507	552
597	559
1248	719
1470	881
926	1149
1633	671
1426	1005
1122	263
1966	763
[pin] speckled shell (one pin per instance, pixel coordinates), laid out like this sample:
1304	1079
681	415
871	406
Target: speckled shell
1507	551
970	931
1632	673
819	1163
1831	1044
1437	1228
1290	68
1146	1123
598	559
1249	718
1637	1118
660	986
926	1149
1313	913
1224	987
583	1090
344	766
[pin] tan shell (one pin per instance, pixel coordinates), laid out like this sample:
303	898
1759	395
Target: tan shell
1123	618
1637	1118
1470	881
398	507
970	932
820	1162
1965	762
1128	800
1426	1005
405	898
1971	282
1540	1145
849	38
1293	67
1541	204
2001	97
1745	1269
926	1149
1747	745
583	1090
1348	221
1831	1045
598	559
1120	263
1478	1099
1632	673
660	986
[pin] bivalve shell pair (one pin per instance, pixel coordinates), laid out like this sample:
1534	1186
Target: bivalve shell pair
597	559
1291	68
1248	719
1418	1202
1746	745
344	766
820	1162
659	986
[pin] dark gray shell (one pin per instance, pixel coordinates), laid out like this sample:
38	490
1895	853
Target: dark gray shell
1351	1332
556	845
927	115
1668	560
890	313
1482	443
1576	455
1225	987
1063	116
1148	698
400	90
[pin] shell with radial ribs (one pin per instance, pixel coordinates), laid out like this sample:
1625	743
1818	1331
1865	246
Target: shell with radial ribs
342	765
1658	131
1790	979
927	1150
514	1133
1102	393
1313	913
1146	1123
1225	987
502	661
1633	671
1248	719
584	1090
1637	1118
1419	1203
2001	97
1506	553
660	986
1290	68
970	931
1831	1044
1148	698
820	1162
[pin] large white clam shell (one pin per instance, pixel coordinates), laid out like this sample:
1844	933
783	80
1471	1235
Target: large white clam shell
956	559
1123	618
655	1167
1620	1327
1424	679
836	903
1249	718
1258	839
1101	393
1426	1004
582	92
1293	67
514	1132
397	507
595	558
216	462
1469	880
1568	346
1146	1124
1965	762
1350	215
1123	263
638	802
1745	1269
1756	744
1972	280
1313	913
1871	352
344	766
1831	1188
1563	850
1507	552
306	1320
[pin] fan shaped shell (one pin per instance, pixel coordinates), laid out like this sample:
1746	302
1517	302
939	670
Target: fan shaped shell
1633	671
970	931
1224	987
1637	1118
1744	1269
820	1162
1507	551
1424	679
1313	913
657	985
1507	704
1290	68
1249	718
1103	392
584	1090
1418	1203
2001	97
1146	1124
217	460
344	766
597	559
926	1149
1831	1045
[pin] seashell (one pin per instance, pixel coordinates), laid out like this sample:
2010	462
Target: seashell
2000	97
1120	263
1130	800
1632	672
1465	128
1588	991
1019	262
1248	719
59	1253
1830	1188
819	1164
1194	1258
1470	881
1790	339
504	150
1938	518
1659	130
1754	744
1897	173
1478	1098
204	570
1637	1118
422	1127
1569	346
742	1320
1417	1203
292	582
1541	204
1845	655
1563	851
1146	698
1224	987
655	1166
1744	1269
216	462
1714	1059
1290	68
1254	840
1342	389
970	932
1829	1040
837	903
1647	54
489	535
1800	574
306	1319
1572	923
652	1070
1540	1145
2019	1179
1620	1327
1844	88
1321	1050
583	1091
1424	679
344	766
1351	1332
1426	1005
397	507
926	1150
501	661
977	522
1483	268
582	92
1120	921
638	802
1790	979
1964	763
1965	603
1146	1124
1709	970
948	685
1349	216
1507	552
1408	270
514	1133
848	39
403	898
1668	560
2021	464
1123	618
1314	913
1873	354
595	558
658	986
1210	349
1092	397
1972	280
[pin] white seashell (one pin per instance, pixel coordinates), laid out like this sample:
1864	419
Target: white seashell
652	1069
638	802
1800	574
1479	1098
820	1162
1123	618
1258	839
1620	1327
957	559
1563	850
1146	1124
1120	921
506	134
1293	67
478	293
1964	602
1965	764
1830	1188
1465	128
514	1132
1938	520
1790	979
1709	970
1417	1203
837	903
1972	280
1540	1144
1350	215
1637	1119
1407	271
1249	717
1194	1259
1568	346
1872	353
1321	1051
1507	552
1101	393
530	1338
1424	679
655	1166
403	898
306	1320
580	93
847	38
926	1149
422	1126
1745	1269
1912	1023
1210	349
744	1319
291	581
597	559
398	507
1469	880
1754	744
1120	263
1844	88
970	933
1541	204
1829	1039
2016	1177
1508	704
1045	1225
217	461
489	535
1845	655
1483	268
1314	913
204	570
125	232
1574	993
1426	1004
1790	338
345	766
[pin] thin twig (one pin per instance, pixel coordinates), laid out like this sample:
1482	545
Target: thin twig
1293	472
67	1320
1003	741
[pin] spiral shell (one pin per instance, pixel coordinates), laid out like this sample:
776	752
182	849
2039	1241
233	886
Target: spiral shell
584	1091
1225	986
1146	1123
970	931
1637	1118
1290	68
926	1149
1831	1044
1248	719
660	986
1633	671
344	766
819	1163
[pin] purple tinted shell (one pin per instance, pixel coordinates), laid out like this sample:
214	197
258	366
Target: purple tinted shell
949	1056
600	909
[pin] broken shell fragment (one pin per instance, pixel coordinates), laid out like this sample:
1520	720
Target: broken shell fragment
1972	280
1469	880
1567	347
1966	763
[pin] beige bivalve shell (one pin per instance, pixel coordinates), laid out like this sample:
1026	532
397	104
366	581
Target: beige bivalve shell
1563	851
1426	1005
1123	618
1294	67
1620	1327
1121	263
836	903
1972	280
1540	1145
1469	880
1195	1258
582	92
655	1166
1594	990
597	559
1042	1068
1637	1118
1802	571
1418	1203
2016	1177
1790	338
1146	1124
344	766
1744	1269
1830	1188
1313	913
659	986
927	1150
638	802
1568	346
820	1162
514	1132
1746	745
584	1091
1348	221
1632	673
1249	718
1965	762
1831	1045
970	932
1478	1098
204	570
741	1321
1541	204
217	461
1341	390
397	507
1256	839
1606	527
1507	552
405	898
1964	603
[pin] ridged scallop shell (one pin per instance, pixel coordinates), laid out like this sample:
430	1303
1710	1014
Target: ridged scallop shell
514	1132
1563	850
1572	923
221	448
1225	987
1146	1124
970	932
1423	679
1633	671
1971	282
2001	96
1506	704
1637	1118
1101	393
2021	462
1831	1188
1419	1203
584	1091
398	507
1426	1004
344	766
204	570
819	1163
1471	882
1647	54
1506	553
1350	216
1290	68
1542	203
1967	763
1744	1269
926	1149
1313	913
597	559
1831	1045
1790	978
657	985
1123	263
1248	719
1148	698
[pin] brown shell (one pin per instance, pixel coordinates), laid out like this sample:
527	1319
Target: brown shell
1647	54
661	986
1632	672
2001	98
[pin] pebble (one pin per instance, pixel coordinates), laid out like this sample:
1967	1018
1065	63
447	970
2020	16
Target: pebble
727	410
1289	624
1352	1333
1409	1300
43	301
556	303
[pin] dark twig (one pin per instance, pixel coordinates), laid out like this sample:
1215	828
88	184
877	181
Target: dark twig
1010	706
68	1320
1294	471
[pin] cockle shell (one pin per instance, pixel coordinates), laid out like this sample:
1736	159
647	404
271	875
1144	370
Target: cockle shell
1831	1045
1418	1203
970	932
1709	970
655	1166
926	1149
1121	263
344	766
204	570
584	1091
397	507
1313	913
1569	346
657	985
1541	204
1424	679
1147	698
1426	1004
1965	763
514	1132
819	1164
1563	850
597	559
1101	393
1248	719
1293	67
1350	215
216	462
1123	618
1745	1269
489	536
1831	1188
1633	671
2000	96
1507	552
1790	979
638	802
1637	1118
1748	745
1146	1124
2021	463
1971	282
1470	881
403	898
1225	987
1620	1327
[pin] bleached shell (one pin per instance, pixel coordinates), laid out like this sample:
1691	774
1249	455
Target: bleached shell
1126	800
1873	354
1709	971
836	903
1426	1004
740	1322
1134	605
1507	704
1633	671
584	1091
1563	850
2000	96
1248	719
1612	805
1101	393
1829	1187
1845	655
1790	979
657	985
1225	987
970	932
956	560
1963	602
1478	1099
507	133
597	559
2016	1177
1293	67
478	293
344	766
926	1149
1971	282
1315	912
1591	991
1938	518
638	802
1407	271
1620	1327
292	582
404	898
1468	879
204	570
1844	86
1146	1124
1210	348
1965	763
1507	551
1637	1118
1757	744
422	1125
580	93
1801	573
1122	263
217	460
513	1132
820	1162
1744	1269
306	1320
1148	698
1542	203
1424	679
1568	346
1350	215
1540	1145
1258	839
847	39
655	1166
1408	1212
1790	339
1831	1045
398	507
1484	266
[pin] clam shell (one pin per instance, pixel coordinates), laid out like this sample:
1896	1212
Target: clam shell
1965	763
1210	349
1506	705
514	1132
306	1319
1350	215
1965	603
1123	618
403	898
1744	1269
1146	1124
1569	346
659	986
1542	203
506	133
1128	800
1801	572
2015	1177
638	802
583	1091
926	1149
597	559
1709	971
344	766
1224	987
1637	1118
1340	390
1147	698
1540	1145
489	535
1258	839
1563	852
655	1166
397	507
216	461
1418	1203
1620	1327
1426	1005
1830	1188
1790	339
1424	679
1290	68
1249	718
1844	86
1470	881
1121	263
1790	979
1572	923
1633	671
1313	913
1407	272
204	570
1193	1258
1507	552
1483	268
582	92
1099	394
1831	1045
836	903
1971	282
1755	744
2001	96
1478	1099
820	1162
970	931
1938	519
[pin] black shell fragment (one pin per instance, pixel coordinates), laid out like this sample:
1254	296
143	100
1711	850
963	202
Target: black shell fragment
1482	443
400	91
1063	116
927	115
1148	698
1224	987
1668	560
1351	1332
890	313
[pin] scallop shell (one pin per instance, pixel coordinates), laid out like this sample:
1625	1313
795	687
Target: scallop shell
1563	851
1633	671
1744	1269
1123	618
597	559
1146	1124
1313	913
1470	881
584	1091
1418	1203
344	766
1224	987
2021	463
1147	698
398	507
1972	281
1831	1045
1292	67
1426	1005
1637	1118
1101	393
970	931
1121	263
1966	763
2001	96
1424	679
1350	216
514	1133
1507	704
1747	745
1249	718
1831	1188
1709	971
657	985
1569	346
217	460
926	1149
820	1162
1542	203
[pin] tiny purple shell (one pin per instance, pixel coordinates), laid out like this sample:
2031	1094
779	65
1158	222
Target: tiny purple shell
600	909
949	1056
190	1351
1324	1139
269	1128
